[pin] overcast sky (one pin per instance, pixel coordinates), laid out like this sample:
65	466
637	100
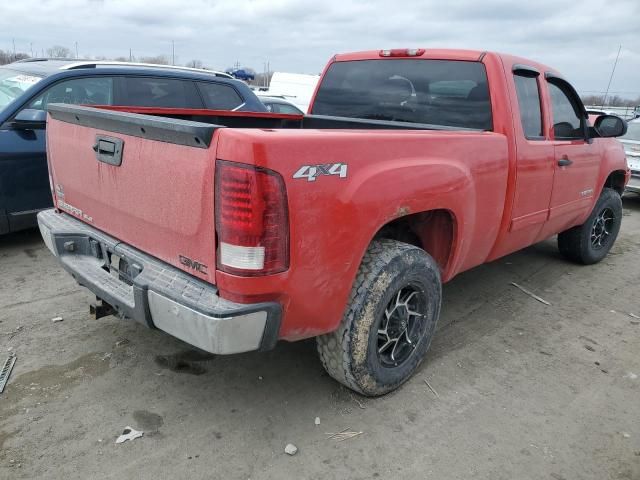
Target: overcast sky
579	38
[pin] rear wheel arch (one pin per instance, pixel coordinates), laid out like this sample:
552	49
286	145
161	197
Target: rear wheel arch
434	231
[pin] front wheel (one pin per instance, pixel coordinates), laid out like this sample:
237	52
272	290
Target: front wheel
389	322
590	242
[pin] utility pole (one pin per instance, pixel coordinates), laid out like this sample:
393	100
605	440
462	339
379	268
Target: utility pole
173	52
604	100
31	48
130	56
14	48
76	50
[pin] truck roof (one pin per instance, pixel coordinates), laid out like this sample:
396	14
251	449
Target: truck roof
442	54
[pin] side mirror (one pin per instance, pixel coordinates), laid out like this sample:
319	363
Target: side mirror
30	119
610	126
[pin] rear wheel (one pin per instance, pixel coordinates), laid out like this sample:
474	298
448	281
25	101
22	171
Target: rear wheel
590	242
389	322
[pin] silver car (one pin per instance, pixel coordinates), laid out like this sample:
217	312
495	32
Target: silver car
631	142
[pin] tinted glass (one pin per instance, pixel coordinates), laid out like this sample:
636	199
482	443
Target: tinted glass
13	84
79	91
566	121
438	92
283	108
218	96
529	103
161	92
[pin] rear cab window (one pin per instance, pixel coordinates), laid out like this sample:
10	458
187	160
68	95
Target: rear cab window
446	93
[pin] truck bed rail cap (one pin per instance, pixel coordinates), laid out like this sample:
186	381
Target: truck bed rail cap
162	129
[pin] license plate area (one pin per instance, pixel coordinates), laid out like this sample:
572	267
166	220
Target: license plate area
121	268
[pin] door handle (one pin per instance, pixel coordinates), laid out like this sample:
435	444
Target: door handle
109	150
564	162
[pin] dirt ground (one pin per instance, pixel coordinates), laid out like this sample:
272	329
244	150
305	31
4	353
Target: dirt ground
521	390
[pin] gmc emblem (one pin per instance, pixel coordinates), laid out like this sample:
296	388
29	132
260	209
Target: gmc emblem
192	264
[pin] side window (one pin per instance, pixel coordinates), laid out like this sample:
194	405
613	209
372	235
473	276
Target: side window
79	91
288	109
218	96
161	92
529	103
567	123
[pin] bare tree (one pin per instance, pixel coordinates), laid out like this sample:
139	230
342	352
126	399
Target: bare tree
158	59
611	101
8	57
194	64
58	51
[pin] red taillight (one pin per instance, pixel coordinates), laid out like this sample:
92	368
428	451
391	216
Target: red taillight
402	52
252	221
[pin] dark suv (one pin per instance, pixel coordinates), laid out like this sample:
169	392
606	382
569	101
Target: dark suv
27	87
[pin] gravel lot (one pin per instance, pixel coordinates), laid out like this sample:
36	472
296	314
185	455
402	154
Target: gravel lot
524	390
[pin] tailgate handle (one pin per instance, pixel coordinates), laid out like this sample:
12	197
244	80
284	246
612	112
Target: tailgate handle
109	149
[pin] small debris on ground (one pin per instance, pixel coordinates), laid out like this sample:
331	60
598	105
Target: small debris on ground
546	353
14	333
259	377
530	293
6	370
360	404
57	319
631	375
582	337
633	315
343	435
290	449
121	342
129	434
317	421
626	435
590	348
432	389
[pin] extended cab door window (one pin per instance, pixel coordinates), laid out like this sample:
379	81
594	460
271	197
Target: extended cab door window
160	92
529	104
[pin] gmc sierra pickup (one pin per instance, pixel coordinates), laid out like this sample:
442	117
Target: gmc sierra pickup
233	230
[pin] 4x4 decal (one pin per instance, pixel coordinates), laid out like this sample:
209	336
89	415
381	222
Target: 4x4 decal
311	172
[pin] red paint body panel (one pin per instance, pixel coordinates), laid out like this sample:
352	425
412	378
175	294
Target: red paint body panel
504	192
151	201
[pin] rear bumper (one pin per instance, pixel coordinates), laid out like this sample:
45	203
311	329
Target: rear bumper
157	294
634	183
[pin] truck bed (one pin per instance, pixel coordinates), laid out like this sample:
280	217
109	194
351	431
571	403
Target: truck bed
160	198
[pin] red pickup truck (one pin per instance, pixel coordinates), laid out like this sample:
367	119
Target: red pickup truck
233	230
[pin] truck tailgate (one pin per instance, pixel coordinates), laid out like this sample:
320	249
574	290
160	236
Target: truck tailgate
147	181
